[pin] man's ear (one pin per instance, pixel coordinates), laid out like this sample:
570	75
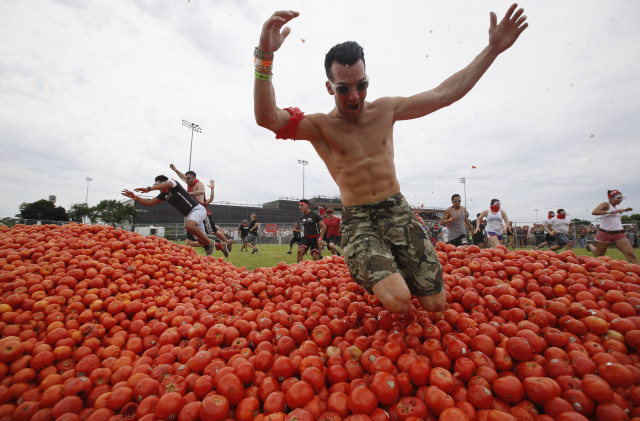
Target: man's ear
329	88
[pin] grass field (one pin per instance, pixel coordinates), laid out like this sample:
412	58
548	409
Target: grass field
272	254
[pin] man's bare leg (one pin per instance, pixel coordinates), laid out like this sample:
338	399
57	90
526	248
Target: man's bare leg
395	296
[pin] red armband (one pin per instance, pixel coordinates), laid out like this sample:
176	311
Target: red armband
290	130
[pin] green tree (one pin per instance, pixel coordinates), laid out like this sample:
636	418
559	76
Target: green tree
78	212
8	221
112	212
577	221
42	210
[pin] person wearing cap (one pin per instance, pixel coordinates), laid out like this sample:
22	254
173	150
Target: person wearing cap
610	229
494	228
561	228
313	229
243	232
333	231
548	238
175	195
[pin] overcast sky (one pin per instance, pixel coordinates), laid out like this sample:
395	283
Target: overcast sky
99	89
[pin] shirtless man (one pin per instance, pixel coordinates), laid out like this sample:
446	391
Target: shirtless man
385	247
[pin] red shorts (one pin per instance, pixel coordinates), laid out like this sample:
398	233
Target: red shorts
607	237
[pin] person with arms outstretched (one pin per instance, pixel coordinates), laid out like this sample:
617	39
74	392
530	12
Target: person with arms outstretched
196	189
174	194
384	246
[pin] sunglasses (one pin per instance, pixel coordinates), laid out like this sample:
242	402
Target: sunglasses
458	201
345	89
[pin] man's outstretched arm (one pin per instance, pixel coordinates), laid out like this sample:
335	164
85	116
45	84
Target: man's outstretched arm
501	37
267	113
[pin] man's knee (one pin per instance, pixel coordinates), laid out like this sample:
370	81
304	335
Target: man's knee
434	303
397	304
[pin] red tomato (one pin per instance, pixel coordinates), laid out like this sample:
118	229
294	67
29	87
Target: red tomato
442	379
541	389
362	401
214	407
386	388
299	394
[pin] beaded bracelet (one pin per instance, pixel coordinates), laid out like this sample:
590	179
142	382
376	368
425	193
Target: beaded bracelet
262	55
264	69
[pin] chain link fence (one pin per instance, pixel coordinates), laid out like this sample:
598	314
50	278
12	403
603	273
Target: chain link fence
525	234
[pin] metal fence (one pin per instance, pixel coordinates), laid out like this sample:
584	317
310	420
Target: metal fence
283	234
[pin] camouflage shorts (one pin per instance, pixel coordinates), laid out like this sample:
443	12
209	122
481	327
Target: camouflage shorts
384	238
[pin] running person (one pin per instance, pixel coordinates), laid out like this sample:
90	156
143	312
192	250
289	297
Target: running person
548	238
295	238
457	218
561	228
494	228
174	194
478	236
385	247
333	231
313	229
243	232
196	189
610	229
252	238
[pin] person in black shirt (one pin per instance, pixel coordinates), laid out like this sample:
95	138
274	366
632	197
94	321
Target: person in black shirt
174	194
243	231
252	238
296	236
313	229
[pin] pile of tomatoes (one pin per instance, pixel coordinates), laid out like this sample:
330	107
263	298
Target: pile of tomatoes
105	324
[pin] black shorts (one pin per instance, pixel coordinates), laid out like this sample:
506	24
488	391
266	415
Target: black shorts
549	238
310	243
335	240
460	240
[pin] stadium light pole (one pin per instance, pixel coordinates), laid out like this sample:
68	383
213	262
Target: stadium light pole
536	215
194	128
86	198
464	185
304	164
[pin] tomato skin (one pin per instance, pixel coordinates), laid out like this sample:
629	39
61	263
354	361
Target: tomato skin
541	389
247	409
362	401
436	400
480	396
169	406
299	394
509	389
214	407
442	379
411	407
597	388
386	388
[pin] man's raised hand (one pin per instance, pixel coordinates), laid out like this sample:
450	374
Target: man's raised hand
503	35
273	34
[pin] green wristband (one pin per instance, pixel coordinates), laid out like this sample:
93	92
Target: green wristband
262	76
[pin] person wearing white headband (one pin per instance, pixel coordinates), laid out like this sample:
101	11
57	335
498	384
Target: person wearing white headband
610	229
